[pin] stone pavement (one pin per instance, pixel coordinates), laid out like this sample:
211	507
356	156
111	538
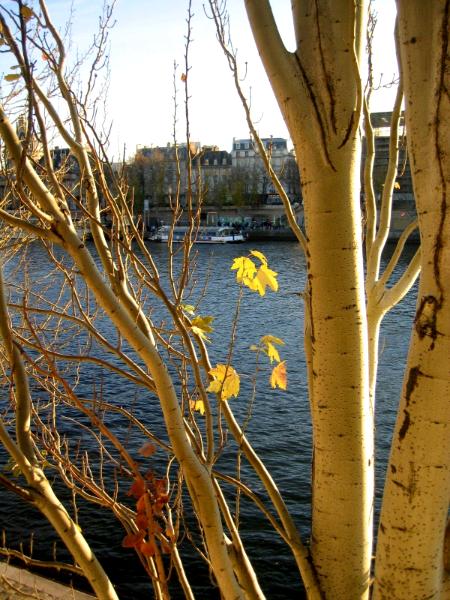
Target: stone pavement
19	584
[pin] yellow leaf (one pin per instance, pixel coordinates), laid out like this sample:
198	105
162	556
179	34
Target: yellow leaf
26	13
198	405
263	278
279	376
225	381
188	308
259	255
245	267
201	326
397	185
266	339
272	353
183	77
12	77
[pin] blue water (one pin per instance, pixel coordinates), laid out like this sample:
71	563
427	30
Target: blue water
280	427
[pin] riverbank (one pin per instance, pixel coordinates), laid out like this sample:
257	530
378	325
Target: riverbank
19	584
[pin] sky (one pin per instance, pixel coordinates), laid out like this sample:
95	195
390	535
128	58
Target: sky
149	37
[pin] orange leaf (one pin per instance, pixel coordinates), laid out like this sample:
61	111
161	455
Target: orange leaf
133	539
147	449
183	77
155	527
140	504
279	376
160	486
26	13
137	489
141	521
147	548
170	531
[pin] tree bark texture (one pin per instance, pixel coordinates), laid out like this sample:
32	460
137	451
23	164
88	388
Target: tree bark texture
411	539
318	89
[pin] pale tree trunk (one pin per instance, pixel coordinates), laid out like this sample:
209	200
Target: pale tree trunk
410	553
318	89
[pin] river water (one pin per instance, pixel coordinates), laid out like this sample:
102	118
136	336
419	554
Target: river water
280	427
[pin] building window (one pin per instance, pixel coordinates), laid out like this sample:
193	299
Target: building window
215	161
206	162
238	146
224	161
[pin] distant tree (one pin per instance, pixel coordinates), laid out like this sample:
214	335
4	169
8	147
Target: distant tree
147	175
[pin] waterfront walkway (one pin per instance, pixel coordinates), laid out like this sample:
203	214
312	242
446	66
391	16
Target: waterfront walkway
19	584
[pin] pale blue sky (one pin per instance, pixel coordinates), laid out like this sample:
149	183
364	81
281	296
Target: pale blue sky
149	36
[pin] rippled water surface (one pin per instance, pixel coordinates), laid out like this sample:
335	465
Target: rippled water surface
280	427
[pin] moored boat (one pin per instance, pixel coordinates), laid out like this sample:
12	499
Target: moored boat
204	235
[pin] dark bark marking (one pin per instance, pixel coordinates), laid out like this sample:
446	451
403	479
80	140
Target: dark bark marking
440	152
382	528
393	469
400	485
412	383
426	316
327	77
348	132
315	104
349	306
405	426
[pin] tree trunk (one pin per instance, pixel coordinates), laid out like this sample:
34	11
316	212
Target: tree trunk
318	89
410	555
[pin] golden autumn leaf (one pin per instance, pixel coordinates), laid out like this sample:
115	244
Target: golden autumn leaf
256	279
272	353
201	326
264	277
225	381
26	13
12	77
272	339
396	185
188	308
268	342
259	255
278	377
245	267
198	405
183	77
